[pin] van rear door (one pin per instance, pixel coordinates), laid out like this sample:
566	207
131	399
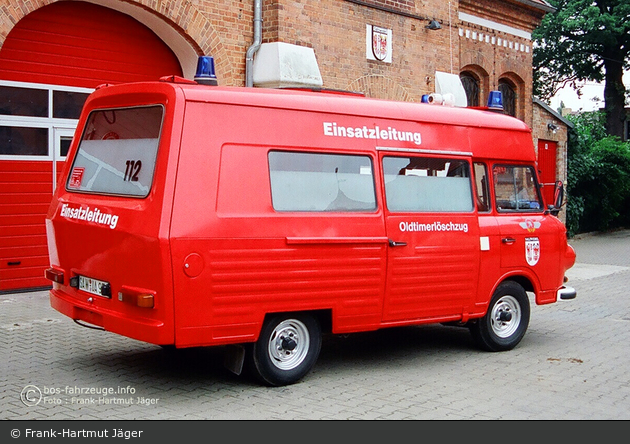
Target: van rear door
106	226
433	261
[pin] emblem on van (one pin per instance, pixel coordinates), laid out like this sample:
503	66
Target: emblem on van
530	225
532	250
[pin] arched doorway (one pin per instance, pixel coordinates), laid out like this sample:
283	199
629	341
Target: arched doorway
50	61
508	91
81	44
472	87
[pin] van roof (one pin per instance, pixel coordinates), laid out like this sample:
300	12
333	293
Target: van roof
353	105
325	102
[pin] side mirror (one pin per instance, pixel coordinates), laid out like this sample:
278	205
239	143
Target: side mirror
558	198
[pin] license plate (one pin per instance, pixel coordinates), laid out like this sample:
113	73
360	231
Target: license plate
94	286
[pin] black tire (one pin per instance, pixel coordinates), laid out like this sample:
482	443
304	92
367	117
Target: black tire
506	321
286	350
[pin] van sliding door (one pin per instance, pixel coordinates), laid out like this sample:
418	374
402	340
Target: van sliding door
433	259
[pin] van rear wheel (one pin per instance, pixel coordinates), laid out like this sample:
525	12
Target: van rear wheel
506	321
287	348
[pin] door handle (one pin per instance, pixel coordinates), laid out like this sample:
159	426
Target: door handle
508	240
393	243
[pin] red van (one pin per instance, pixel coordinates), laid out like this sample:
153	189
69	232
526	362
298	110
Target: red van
191	215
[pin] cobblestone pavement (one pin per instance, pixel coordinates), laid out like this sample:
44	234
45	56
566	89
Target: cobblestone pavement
572	364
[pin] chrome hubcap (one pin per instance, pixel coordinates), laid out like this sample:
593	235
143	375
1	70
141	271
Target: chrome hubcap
288	344
505	317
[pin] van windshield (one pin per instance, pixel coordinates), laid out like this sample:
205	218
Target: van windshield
117	152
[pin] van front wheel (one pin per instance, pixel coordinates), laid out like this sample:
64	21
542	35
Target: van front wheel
287	349
506	321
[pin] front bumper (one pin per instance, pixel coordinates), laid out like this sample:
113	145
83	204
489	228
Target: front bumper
566	293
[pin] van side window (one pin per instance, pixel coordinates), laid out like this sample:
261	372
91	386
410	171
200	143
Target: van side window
482	188
515	188
423	184
321	182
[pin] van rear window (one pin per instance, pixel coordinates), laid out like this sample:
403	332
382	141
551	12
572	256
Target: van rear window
321	182
117	152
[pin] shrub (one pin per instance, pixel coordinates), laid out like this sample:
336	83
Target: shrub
598	183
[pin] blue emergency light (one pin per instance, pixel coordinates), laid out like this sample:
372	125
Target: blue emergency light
205	74
495	100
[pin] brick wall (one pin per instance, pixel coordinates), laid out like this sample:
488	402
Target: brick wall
503	51
336	30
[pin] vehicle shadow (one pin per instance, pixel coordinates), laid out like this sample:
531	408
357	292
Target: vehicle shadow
203	367
394	343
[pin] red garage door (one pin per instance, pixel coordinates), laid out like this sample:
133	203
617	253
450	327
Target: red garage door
82	44
49	63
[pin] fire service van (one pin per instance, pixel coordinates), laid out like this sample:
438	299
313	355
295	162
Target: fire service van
190	215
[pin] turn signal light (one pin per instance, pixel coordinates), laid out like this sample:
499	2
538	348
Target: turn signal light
137	296
144	300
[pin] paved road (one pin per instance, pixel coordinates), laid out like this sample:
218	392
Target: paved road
572	364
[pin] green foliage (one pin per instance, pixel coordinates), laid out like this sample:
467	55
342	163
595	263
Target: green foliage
585	40
598	185
578	42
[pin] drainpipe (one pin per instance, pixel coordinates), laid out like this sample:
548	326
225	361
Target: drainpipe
249	58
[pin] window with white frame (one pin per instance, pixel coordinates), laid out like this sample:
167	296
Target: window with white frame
30	112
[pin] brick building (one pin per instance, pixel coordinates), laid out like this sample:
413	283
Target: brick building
53	53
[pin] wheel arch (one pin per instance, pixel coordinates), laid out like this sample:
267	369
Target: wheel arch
524	278
523	281
528	283
323	316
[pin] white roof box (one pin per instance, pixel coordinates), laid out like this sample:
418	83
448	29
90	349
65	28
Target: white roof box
446	83
283	65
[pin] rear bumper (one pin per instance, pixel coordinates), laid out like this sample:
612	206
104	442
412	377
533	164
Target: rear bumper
566	293
143	329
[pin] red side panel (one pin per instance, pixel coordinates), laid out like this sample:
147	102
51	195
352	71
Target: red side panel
84	45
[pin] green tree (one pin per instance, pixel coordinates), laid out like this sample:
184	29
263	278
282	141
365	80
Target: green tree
585	40
598	183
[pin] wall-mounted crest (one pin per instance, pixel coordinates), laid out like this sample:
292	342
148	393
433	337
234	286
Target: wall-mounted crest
378	43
